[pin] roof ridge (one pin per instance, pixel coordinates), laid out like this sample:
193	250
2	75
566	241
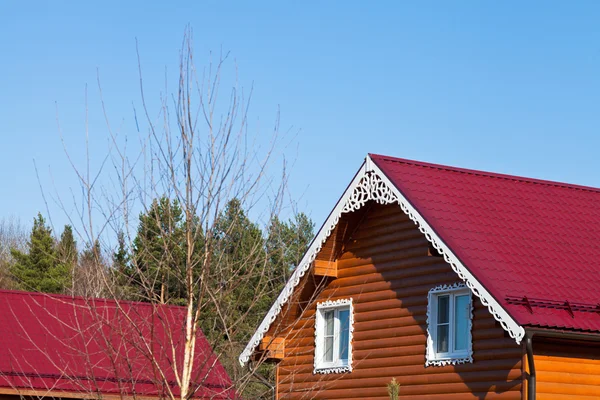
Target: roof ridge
496	175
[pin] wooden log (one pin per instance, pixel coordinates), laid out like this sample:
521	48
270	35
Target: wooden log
347	382
389	368
325	268
385	269
273	347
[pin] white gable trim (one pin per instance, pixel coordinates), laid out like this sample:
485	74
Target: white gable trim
515	330
370	183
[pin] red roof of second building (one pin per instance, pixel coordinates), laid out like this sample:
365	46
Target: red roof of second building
63	344
521	238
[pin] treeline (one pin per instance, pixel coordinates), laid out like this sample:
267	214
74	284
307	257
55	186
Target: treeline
248	266
153	264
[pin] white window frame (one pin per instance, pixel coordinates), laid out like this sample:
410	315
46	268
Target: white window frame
337	366
452	356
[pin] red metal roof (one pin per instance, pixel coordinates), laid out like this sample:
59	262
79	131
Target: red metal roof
533	244
61	343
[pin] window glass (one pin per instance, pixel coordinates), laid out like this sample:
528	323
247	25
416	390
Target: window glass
443	331
329	329
443	309
329	349
329	323
333	333
344	317
449	324
461	322
443	337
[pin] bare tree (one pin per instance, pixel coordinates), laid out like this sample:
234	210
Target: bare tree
59	346
198	154
12	236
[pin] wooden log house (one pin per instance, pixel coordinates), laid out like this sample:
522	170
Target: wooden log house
459	284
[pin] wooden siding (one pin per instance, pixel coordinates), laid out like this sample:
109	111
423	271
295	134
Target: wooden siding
385	267
567	370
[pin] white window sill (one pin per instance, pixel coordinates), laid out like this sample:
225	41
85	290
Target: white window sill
449	360
333	369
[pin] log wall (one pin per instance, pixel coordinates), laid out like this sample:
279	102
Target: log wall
567	370
386	269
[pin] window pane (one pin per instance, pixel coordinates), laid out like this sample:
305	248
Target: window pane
461	322
328	316
442	338
344	316
329	349
443	309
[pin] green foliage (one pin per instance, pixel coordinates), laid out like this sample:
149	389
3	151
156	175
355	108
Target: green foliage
159	253
393	389
121	259
237	269
248	268
286	244
122	272
238	256
91	254
67	247
40	269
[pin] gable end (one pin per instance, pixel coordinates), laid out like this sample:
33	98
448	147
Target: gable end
370	183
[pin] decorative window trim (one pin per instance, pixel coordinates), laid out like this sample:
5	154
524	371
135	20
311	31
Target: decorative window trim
332	304
370	183
430	353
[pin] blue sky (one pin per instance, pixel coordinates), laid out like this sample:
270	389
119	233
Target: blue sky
502	86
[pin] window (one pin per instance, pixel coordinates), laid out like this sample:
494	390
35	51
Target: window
333	336
449	315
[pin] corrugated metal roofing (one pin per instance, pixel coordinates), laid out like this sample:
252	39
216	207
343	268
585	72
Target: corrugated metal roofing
61	343
533	244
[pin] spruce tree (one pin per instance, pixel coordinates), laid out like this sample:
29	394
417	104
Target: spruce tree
89	278
92	253
121	272
67	248
159	252
39	269
286	244
121	259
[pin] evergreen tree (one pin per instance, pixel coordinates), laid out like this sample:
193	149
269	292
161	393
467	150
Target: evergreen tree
286	244
235	276
121	271
120	258
89	277
159	252
67	248
259	265
39	269
92	253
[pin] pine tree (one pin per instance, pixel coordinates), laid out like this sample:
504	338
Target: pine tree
92	253
121	259
159	252
121	271
286	244
67	249
90	275
234	275
40	270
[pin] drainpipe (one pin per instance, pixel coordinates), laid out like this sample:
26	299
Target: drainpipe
531	379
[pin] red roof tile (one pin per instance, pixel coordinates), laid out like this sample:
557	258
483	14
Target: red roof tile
60	343
519	237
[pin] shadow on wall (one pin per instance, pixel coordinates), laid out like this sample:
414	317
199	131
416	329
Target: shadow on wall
404	272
